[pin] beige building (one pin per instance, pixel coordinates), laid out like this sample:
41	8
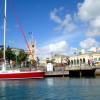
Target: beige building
83	58
78	59
60	58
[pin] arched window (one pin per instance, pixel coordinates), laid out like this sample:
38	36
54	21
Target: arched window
95	59
83	60
77	61
80	61
74	62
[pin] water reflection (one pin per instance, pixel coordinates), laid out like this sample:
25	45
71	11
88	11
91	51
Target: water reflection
17	89
51	89
50	81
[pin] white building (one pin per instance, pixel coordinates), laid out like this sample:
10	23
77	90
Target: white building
83	58
60	58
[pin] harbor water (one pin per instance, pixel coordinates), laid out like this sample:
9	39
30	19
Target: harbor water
56	88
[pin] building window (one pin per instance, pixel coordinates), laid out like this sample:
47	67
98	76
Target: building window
99	59
74	62
95	59
80	61
83	60
71	62
77	61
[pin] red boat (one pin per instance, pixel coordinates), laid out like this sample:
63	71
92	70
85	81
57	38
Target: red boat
21	75
16	74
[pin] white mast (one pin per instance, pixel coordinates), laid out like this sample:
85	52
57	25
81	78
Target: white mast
4	54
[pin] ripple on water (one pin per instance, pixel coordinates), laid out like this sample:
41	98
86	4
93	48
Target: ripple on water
51	89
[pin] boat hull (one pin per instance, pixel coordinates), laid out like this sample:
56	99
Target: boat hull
22	75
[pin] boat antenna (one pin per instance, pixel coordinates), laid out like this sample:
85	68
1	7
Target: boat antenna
4	51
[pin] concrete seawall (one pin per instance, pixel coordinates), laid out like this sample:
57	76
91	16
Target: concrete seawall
57	74
73	71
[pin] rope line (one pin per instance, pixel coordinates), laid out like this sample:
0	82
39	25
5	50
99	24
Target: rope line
20	27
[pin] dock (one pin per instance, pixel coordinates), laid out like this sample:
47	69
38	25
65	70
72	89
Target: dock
82	71
75	71
57	74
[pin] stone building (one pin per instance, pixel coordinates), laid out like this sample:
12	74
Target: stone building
83	58
60	58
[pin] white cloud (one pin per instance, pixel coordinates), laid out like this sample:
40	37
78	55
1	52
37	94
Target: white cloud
65	25
60	47
89	12
88	43
90	9
54	16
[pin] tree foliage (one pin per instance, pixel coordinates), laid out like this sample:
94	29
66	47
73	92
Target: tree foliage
10	55
22	56
1	53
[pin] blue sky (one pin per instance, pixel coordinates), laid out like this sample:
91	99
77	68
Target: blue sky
53	23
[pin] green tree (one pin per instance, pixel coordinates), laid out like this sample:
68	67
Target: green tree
10	55
1	53
22	57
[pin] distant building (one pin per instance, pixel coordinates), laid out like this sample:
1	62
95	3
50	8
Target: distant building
59	58
16	51
83	58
